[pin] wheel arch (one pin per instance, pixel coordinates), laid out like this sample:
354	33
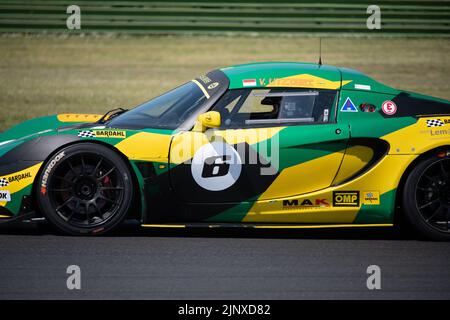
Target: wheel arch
399	193
135	210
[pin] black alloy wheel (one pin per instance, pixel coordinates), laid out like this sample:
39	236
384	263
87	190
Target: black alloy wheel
85	188
426	197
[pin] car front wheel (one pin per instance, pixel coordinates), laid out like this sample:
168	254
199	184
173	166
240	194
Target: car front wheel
85	189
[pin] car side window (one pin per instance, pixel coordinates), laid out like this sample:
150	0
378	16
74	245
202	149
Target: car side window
267	107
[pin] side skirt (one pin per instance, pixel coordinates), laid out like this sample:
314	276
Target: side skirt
262	226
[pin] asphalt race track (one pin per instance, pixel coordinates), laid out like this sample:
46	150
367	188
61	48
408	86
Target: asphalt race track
222	264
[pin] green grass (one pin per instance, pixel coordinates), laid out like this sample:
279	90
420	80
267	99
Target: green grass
47	74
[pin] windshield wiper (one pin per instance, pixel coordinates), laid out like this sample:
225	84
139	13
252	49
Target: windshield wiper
111	114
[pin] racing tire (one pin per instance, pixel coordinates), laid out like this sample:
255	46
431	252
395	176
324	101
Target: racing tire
85	189
426	198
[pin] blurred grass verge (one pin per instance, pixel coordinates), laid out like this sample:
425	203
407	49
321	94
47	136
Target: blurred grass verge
47	74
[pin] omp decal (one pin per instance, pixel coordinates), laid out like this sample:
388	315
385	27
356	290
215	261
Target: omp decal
102	134
146	146
345	198
349	106
370	198
72	117
21	179
249	82
5	196
216	166
389	108
305	81
305	204
4	182
49	168
201	88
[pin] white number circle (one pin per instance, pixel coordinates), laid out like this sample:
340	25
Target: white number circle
216	166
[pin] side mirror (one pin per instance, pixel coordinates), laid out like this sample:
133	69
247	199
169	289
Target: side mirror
210	119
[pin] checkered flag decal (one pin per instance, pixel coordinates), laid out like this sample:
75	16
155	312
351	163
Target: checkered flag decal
3	182
86	134
435	123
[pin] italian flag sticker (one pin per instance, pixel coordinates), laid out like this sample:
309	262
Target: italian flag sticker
249	82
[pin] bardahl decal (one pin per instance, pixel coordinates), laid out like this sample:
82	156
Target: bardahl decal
110	134
19	177
49	168
346	198
120	134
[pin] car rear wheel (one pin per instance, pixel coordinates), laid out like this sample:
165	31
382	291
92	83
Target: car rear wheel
85	189
426	197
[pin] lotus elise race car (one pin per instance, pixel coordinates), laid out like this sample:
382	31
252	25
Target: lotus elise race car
264	145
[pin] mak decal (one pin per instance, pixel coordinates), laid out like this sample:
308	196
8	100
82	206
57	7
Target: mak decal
305	204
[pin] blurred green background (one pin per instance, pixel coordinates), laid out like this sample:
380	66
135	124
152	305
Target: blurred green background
129	51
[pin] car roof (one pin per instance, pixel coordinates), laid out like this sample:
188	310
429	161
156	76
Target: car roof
299	75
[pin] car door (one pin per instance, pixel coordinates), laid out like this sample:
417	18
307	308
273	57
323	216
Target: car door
271	143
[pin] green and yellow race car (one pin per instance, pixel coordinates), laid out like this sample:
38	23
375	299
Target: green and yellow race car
264	145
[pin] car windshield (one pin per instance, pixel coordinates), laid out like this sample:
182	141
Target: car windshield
168	111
